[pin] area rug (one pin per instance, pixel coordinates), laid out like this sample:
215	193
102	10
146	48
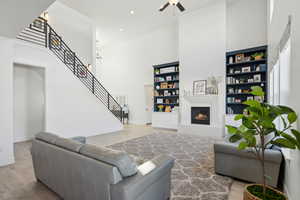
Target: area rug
193	176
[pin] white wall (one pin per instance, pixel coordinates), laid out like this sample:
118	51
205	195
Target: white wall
276	27
76	30
15	15
6	102
71	110
29	102
202	47
246	24
127	66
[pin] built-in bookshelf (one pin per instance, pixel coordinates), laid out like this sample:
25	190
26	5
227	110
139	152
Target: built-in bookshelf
244	69
166	87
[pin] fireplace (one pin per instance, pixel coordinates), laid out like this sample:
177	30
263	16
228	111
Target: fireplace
200	115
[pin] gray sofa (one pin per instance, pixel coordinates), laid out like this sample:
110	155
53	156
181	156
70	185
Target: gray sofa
77	171
243	165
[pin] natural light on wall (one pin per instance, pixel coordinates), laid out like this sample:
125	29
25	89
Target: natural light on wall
271	9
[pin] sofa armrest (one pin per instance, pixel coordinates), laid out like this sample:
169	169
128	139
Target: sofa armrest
131	187
274	156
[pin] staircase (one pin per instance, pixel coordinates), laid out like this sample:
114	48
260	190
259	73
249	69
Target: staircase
41	33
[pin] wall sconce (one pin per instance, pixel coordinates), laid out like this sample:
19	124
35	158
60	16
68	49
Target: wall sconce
46	16
89	67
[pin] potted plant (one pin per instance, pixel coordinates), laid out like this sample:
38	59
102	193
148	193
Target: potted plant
258	123
258	56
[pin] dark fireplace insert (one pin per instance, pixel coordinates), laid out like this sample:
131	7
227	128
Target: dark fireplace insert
200	115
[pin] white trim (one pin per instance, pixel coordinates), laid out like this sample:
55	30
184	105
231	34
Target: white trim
285	188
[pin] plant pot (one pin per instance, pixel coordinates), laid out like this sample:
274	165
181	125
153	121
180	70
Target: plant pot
258	58
249	196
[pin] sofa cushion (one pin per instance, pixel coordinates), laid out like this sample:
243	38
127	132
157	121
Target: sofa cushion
68	144
47	137
121	160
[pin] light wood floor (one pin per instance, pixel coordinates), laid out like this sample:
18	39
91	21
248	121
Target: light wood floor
17	181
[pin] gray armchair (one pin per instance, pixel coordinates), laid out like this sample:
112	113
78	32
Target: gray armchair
243	165
77	171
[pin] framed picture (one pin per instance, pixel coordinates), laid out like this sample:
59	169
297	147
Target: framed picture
81	71
257	78
55	42
246	69
199	87
38	25
239	58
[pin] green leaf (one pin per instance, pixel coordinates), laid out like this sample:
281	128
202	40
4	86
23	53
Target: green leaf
248	123
285	109
284	122
249	136
231	129
242	146
276	110
252	103
257	91
238	117
235	138
254	110
292	117
297	136
269	130
267	124
289	138
284	143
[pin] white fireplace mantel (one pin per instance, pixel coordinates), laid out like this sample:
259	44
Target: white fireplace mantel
216	104
201	99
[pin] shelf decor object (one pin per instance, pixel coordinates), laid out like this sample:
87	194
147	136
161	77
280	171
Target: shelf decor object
199	87
166	87
244	69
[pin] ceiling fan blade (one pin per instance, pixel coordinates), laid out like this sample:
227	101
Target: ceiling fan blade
164	7
180	6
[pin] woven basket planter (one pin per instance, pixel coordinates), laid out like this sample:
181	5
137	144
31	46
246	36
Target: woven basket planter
249	196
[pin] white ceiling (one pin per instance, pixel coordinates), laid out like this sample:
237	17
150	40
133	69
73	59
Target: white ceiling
112	15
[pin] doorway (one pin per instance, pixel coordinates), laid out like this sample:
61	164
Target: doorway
149	103
29	101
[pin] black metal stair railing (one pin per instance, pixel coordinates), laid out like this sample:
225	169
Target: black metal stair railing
41	33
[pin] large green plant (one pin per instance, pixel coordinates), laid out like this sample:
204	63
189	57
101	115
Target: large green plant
258	129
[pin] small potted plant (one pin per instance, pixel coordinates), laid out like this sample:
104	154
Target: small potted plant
258	123
258	56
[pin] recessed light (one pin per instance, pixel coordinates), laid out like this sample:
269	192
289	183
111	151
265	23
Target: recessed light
132	12
121	29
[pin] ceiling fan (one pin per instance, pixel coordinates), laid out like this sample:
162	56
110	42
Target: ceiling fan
173	3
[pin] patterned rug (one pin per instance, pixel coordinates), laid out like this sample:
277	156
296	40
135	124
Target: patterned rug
193	176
